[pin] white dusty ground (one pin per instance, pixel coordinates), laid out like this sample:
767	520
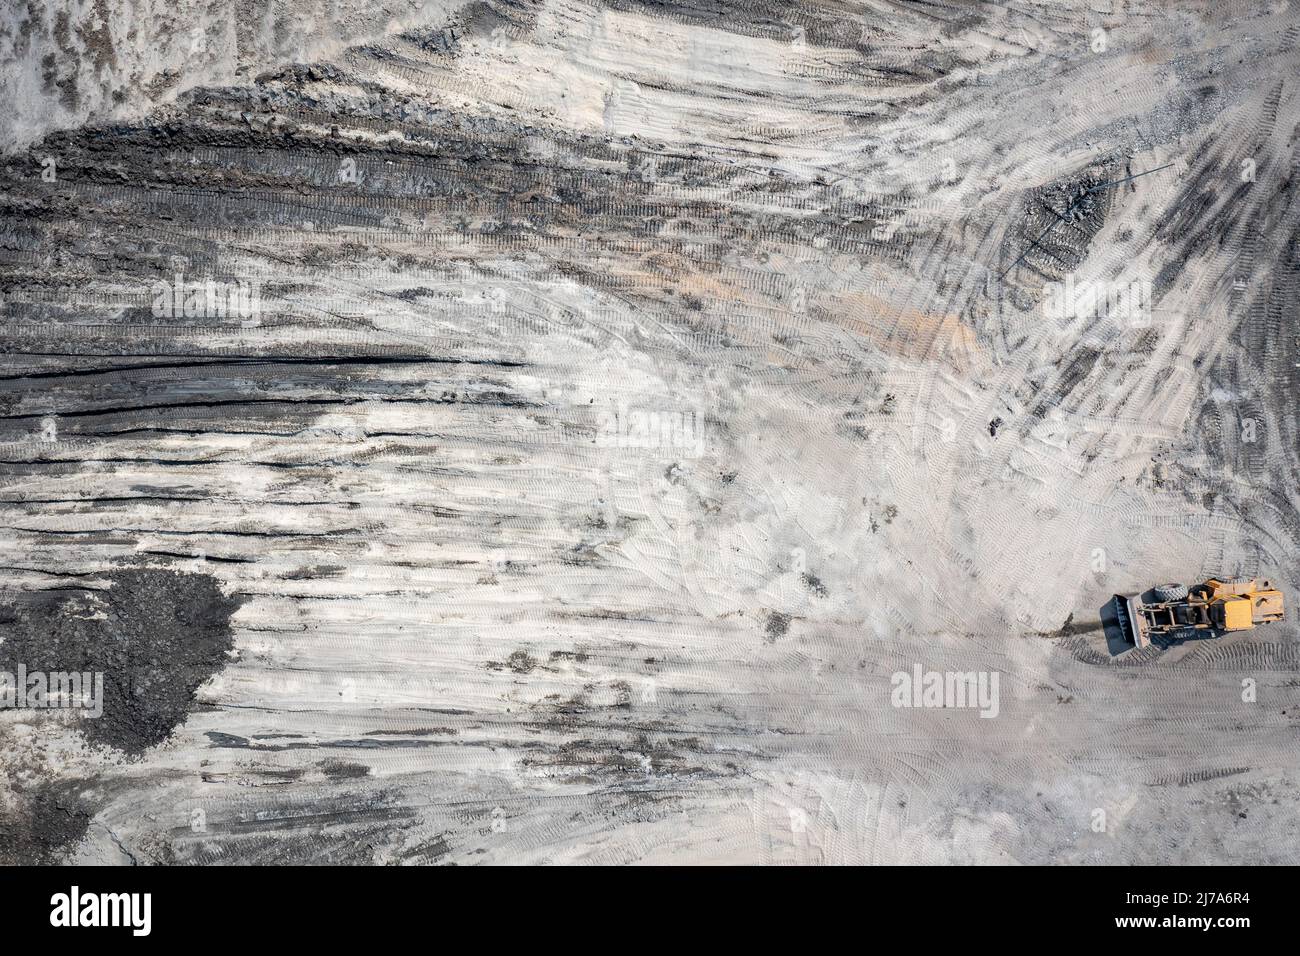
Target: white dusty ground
485	619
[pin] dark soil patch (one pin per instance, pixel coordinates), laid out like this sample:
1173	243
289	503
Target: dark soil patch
155	635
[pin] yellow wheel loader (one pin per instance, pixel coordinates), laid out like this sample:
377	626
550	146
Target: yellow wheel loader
1215	606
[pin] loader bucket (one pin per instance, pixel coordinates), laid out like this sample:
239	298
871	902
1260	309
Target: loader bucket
1131	623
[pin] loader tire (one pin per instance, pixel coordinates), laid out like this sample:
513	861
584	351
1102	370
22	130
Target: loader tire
1170	592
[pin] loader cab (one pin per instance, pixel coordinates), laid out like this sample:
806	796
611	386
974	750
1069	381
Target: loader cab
1232	612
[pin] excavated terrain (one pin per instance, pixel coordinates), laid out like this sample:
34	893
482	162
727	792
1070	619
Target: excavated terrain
539	431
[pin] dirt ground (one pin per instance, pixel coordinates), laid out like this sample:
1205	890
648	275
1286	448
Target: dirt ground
552	431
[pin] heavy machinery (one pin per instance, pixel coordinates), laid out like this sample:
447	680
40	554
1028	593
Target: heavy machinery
1216	607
